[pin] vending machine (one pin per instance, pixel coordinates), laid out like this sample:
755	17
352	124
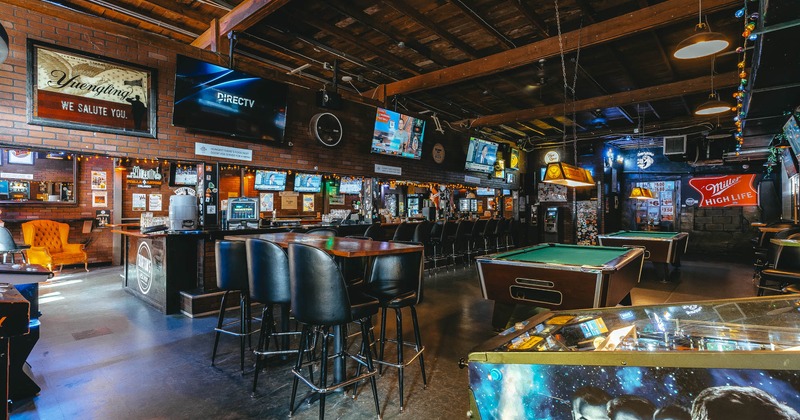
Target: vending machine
553	229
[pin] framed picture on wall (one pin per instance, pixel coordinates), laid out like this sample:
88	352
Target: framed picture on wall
20	157
72	89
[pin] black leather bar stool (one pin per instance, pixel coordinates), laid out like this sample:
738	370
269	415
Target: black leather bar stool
499	231
459	241
231	262
784	269
326	232
475	237
353	268
374	231
768	258
441	242
404	232
422	235
268	273
488	235
396	281
320	301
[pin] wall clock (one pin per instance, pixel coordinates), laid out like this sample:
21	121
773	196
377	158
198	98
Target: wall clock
326	128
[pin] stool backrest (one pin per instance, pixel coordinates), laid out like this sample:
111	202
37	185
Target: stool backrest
326	232
374	231
268	272
404	232
319	294
397	274
500	227
477	228
491	226
422	232
6	240
231	262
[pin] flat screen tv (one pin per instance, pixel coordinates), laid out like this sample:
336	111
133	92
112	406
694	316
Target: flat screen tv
307	182
481	155
270	180
231	103
182	174
506	192
484	191
789	162
792	132
397	134
350	185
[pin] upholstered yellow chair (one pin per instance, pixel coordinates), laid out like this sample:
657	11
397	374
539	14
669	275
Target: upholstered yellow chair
49	246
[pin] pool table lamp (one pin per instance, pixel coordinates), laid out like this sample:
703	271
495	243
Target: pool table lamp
3	44
565	174
641	193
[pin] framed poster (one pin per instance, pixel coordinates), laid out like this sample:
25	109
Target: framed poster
154	202
266	202
20	157
308	202
99	199
139	202
336	199
72	89
98	180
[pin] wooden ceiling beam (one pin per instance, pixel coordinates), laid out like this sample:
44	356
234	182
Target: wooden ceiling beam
432	26
240	18
653	93
487	27
536	21
662	14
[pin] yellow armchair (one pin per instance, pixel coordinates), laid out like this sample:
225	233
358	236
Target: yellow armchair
49	245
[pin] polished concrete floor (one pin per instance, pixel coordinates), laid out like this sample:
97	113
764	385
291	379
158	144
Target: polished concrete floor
103	354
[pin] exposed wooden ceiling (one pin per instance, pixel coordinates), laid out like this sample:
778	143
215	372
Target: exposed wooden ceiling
497	66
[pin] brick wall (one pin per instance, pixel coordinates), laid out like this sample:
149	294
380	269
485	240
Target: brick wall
719	231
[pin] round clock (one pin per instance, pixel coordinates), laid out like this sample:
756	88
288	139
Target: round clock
438	153
326	128
551	157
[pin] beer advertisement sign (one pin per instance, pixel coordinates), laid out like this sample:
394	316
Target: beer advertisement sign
726	191
72	89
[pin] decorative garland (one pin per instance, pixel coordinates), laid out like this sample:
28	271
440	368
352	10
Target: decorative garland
748	35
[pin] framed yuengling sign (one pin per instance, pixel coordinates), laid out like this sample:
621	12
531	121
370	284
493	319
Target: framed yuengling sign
72	89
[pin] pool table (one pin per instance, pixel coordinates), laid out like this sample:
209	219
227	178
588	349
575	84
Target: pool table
559	276
661	248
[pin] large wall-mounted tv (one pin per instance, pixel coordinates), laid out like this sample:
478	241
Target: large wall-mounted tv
350	185
397	134
307	182
481	191
481	155
270	180
219	100
792	132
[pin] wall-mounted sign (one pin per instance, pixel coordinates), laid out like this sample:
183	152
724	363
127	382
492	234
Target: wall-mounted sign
72	89
143	177
388	170
226	152
644	159
472	179
726	191
438	153
552	157
9	175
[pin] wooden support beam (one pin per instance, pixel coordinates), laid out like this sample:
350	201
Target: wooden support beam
424	21
242	17
653	93
662	14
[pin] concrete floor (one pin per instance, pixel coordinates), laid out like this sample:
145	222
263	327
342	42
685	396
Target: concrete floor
103	354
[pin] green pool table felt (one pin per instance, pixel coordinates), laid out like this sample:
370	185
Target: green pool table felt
565	254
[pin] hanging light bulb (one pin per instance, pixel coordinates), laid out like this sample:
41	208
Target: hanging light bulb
712	106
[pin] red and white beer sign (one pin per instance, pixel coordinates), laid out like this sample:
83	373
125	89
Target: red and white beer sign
726	191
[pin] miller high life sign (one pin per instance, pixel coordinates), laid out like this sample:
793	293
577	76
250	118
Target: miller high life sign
726	191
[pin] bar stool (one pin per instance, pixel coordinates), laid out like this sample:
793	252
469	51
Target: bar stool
9	247
459	241
321	300
268	273
326	232
374	231
396	281
488	235
422	235
475	236
784	268
404	232
231	262
353	268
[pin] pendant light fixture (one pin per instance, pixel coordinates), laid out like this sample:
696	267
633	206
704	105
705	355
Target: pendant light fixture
713	105
3	44
559	172
703	43
640	193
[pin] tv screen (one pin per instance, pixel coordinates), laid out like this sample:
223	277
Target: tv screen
307	182
243	209
350	185
481	155
270	180
182	175
792	133
485	191
397	134
789	162
506	192
219	100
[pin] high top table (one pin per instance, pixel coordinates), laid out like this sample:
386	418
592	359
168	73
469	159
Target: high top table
339	247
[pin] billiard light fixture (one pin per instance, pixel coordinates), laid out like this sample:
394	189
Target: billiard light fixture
703	43
641	193
712	106
565	174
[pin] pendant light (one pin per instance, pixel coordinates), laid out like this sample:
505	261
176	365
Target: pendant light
713	105
703	43
640	193
3	44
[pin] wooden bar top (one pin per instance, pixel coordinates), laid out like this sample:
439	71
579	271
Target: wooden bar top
23	273
771	229
340	247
